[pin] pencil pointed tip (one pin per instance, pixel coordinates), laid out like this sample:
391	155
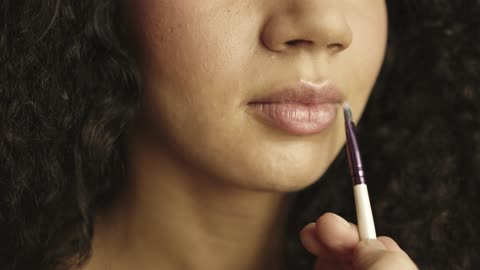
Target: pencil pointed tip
347	111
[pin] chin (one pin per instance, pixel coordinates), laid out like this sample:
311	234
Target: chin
291	185
291	175
277	181
289	168
281	185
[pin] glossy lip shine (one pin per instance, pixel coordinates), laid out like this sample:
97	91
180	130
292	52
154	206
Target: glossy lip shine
302	109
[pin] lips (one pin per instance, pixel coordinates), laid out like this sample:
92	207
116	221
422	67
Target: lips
300	109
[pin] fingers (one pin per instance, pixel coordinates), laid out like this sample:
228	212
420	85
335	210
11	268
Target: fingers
336	244
329	232
308	237
330	238
389	243
375	254
336	234
312	244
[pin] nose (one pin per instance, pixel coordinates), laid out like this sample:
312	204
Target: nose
308	24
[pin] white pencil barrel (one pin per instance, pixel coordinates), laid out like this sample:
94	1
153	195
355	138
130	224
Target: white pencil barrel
366	226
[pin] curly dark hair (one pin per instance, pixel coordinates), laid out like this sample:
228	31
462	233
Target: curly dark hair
69	89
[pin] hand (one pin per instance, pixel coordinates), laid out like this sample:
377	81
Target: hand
337	246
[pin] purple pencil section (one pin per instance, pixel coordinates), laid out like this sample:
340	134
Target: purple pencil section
353	153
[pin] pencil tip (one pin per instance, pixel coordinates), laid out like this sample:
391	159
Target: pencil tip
347	111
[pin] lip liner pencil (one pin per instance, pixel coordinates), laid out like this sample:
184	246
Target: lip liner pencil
366	226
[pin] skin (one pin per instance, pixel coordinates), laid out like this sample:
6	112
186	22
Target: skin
207	181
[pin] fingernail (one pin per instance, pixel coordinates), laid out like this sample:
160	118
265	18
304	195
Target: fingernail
343	221
374	243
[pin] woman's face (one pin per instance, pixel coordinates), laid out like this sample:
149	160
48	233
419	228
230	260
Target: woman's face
210	69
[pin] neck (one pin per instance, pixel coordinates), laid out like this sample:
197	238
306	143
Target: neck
172	217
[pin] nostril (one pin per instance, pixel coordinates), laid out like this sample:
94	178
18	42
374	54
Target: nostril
298	42
335	47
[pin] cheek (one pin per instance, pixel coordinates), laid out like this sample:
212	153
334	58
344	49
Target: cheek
365	56
186	42
176	52
168	33
189	51
190	61
371	29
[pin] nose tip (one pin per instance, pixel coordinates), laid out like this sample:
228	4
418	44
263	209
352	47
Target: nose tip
320	29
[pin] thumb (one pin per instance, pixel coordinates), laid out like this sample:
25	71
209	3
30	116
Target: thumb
373	254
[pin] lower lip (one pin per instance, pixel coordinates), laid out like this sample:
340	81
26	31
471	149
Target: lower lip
297	118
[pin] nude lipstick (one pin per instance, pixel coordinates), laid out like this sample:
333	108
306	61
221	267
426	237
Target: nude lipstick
299	109
366	226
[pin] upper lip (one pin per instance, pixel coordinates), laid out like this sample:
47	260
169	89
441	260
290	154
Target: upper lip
304	92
